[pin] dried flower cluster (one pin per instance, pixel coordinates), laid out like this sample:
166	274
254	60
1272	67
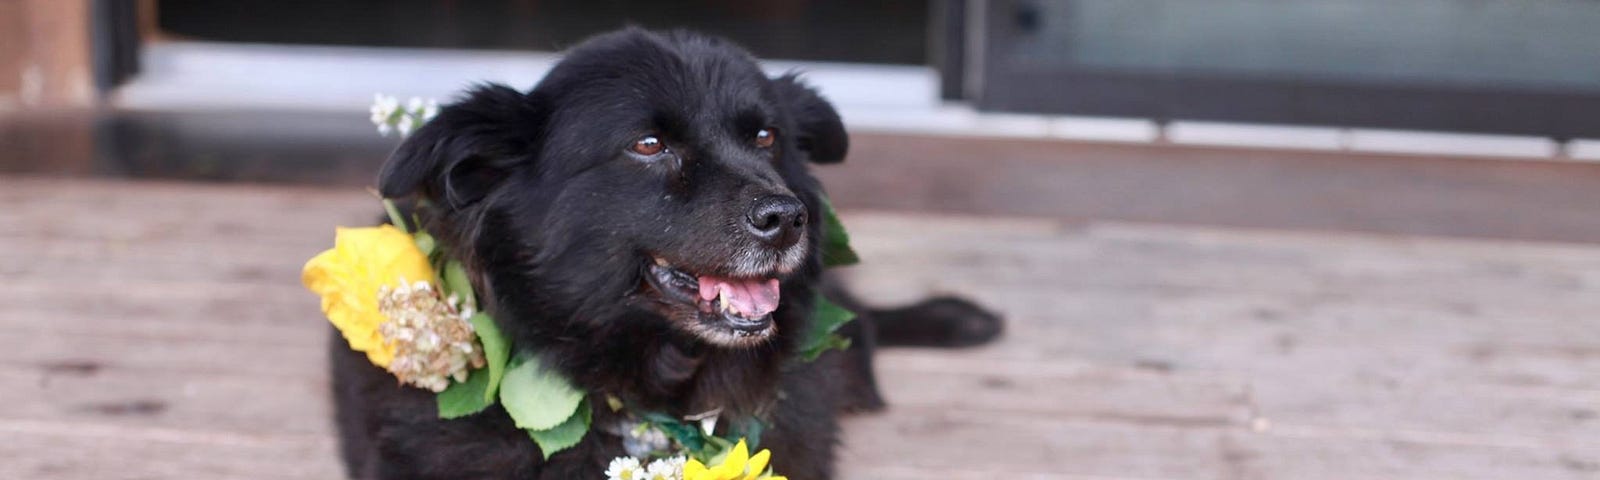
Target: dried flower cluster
432	338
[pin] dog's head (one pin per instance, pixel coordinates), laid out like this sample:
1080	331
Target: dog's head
655	182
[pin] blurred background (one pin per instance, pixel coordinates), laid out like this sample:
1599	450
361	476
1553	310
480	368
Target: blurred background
1341	239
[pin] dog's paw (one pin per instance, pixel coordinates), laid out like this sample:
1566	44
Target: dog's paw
938	322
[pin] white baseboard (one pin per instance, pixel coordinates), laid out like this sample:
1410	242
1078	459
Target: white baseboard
1254	135
870	97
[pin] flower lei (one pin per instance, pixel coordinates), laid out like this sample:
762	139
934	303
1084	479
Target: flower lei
394	295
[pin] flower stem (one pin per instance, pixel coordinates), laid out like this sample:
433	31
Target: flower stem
395	217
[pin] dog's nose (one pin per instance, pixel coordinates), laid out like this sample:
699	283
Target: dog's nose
778	220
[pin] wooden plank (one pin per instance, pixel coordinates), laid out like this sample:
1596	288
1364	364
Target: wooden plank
193	400
1043	447
97	451
1252	264
1257	188
241	356
154	211
922	379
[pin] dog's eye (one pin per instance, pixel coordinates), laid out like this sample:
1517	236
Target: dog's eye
648	145
765	137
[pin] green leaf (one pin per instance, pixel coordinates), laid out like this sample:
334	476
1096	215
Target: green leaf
537	398
564	435
833	341
465	398
826	318
716	450
425	243
749	429
685	434
455	280
836	251
496	352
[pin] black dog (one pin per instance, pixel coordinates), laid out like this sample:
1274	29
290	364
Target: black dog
644	220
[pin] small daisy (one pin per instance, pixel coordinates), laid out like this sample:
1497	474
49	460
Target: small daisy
624	468
665	469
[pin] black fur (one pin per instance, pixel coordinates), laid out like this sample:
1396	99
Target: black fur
536	193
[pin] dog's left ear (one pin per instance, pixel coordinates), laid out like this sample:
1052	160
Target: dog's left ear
464	152
821	134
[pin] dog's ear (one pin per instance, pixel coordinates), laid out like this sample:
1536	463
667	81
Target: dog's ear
460	155
821	134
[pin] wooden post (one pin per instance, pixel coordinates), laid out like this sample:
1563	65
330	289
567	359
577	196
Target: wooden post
45	60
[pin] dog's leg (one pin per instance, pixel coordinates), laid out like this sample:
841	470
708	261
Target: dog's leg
353	381
936	322
803	432
942	321
858	383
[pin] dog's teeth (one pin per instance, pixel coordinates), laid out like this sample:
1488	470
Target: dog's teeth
722	300
660	262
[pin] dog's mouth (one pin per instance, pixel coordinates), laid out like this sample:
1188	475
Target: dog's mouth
732	311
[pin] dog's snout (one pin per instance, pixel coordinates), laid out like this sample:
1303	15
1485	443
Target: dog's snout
777	220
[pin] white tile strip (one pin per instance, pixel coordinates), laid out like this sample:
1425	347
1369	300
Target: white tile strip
1255	135
880	98
1586	150
1104	129
951	120
1453	144
197	75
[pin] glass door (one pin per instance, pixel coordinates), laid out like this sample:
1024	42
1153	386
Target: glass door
1500	66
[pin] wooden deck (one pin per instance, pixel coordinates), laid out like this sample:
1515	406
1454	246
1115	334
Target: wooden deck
158	330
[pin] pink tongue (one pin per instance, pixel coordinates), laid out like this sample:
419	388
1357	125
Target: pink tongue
750	298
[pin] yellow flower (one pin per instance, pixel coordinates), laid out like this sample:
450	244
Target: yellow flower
737	465
349	276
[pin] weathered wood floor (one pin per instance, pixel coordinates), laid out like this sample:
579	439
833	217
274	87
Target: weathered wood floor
159	331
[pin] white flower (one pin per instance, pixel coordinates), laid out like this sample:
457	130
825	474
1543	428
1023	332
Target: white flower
430	110
383	107
387	103
389	116
640	439
405	125
665	469
624	468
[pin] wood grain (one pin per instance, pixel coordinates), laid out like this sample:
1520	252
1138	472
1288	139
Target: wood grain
158	330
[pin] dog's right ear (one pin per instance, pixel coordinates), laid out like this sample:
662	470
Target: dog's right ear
822	135
463	153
